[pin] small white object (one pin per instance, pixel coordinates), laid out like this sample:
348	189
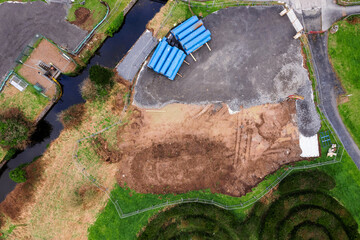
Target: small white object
283	12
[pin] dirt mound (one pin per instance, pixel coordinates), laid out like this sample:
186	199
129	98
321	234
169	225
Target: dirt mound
185	147
83	18
106	153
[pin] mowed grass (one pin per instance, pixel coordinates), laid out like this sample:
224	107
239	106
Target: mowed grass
344	51
98	11
29	101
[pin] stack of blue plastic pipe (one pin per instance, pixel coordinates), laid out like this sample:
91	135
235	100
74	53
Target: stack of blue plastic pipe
166	60
191	34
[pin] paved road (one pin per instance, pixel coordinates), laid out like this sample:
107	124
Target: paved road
327	82
131	63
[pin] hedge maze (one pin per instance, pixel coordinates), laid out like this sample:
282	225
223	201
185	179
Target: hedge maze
301	208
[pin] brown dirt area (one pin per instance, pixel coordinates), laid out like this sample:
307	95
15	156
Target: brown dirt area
83	19
185	147
48	53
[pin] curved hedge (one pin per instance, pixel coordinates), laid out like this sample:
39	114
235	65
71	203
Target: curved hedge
294	208
311	179
192	220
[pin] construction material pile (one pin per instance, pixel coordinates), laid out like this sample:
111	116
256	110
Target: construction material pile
167	59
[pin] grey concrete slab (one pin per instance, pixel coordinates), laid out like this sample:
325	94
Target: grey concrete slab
312	19
131	63
254	60
19	23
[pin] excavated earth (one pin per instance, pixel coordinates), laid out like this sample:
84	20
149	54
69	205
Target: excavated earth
189	147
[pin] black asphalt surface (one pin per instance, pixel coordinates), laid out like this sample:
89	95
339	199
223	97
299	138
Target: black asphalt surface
19	23
328	86
254	61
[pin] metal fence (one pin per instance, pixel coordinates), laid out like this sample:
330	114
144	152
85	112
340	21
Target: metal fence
239	205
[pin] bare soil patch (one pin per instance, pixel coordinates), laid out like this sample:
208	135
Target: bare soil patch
185	147
83	18
47	53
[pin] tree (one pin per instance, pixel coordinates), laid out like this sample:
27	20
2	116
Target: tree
18	174
14	129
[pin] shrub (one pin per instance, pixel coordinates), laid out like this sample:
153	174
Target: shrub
18	174
10	153
72	116
101	76
102	81
88	90
14	129
115	25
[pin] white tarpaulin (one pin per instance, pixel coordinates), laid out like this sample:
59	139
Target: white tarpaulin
309	146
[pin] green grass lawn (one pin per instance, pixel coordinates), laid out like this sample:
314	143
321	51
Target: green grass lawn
30	102
98	11
344	51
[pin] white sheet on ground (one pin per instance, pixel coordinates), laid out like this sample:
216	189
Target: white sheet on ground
309	146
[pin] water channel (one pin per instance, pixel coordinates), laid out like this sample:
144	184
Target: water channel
111	52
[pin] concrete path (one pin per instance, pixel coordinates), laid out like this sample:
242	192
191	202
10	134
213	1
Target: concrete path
327	82
133	60
330	12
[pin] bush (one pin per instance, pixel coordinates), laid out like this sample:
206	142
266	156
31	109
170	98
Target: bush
72	116
88	90
101	76
102	81
15	130
10	153
18	174
115	25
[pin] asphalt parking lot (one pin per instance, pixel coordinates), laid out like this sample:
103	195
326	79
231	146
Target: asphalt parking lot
254	60
19	23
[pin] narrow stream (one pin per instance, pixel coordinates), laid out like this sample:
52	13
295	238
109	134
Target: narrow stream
111	52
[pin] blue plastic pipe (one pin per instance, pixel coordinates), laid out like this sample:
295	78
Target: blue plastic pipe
169	59
180	62
193	35
162	59
196	40
174	63
157	54
199	44
190	29
184	25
